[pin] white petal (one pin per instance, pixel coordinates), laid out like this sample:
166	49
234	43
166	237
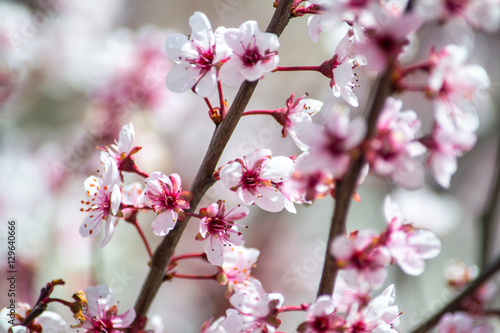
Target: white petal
278	168
163	223
182	78
230	175
271	200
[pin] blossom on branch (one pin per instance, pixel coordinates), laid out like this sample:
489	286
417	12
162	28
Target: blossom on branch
164	194
219	229
254	179
100	313
198	56
254	53
104	198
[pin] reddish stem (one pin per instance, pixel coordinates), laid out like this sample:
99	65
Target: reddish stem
208	103
143	237
297	68
200	255
266	112
58	300
302	307
193	277
221	100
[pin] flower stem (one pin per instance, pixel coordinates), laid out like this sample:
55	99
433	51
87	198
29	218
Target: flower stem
267	112
297	68
203	179
454	305
346	187
302	307
143	237
200	255
192	277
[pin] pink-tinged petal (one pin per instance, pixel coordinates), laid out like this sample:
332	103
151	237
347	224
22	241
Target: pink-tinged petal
177	47
425	243
246	196
349	96
164	222
236	237
201	29
232	37
237	213
314	27
182	78
91	225
98	297
126	137
411	263
229	72
230	174
124	320
277	169
342	248
204	227
176	183
109	230
215	252
357	132
377	277
443	167
322	306
391	210
116	198
213	210
271	200
257	156
206	86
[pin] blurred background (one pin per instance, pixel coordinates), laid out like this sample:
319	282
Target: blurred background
73	72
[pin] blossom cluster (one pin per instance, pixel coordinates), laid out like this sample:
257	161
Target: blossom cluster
333	153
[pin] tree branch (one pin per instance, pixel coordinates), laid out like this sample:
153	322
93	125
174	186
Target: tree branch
489	213
454	304
203	179
346	187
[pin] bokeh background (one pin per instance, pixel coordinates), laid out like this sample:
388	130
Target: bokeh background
73	72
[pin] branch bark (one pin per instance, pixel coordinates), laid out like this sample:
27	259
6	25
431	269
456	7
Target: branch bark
203	179
345	188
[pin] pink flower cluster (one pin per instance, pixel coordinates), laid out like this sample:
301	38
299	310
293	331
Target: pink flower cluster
366	254
230	55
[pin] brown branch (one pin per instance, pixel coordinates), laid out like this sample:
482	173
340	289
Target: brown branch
454	304
345	189
489	213
41	304
203	179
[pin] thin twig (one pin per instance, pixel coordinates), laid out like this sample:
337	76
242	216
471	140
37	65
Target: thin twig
454	304
345	188
203	179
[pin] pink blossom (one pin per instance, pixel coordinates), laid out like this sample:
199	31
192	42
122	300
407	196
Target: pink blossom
381	38
462	322
322	317
198	57
101	315
254	54
362	255
132	194
379	316
445	145
408	246
394	150
254	179
294	114
238	262
455	84
330	147
104	201
220	229
256	310
166	197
